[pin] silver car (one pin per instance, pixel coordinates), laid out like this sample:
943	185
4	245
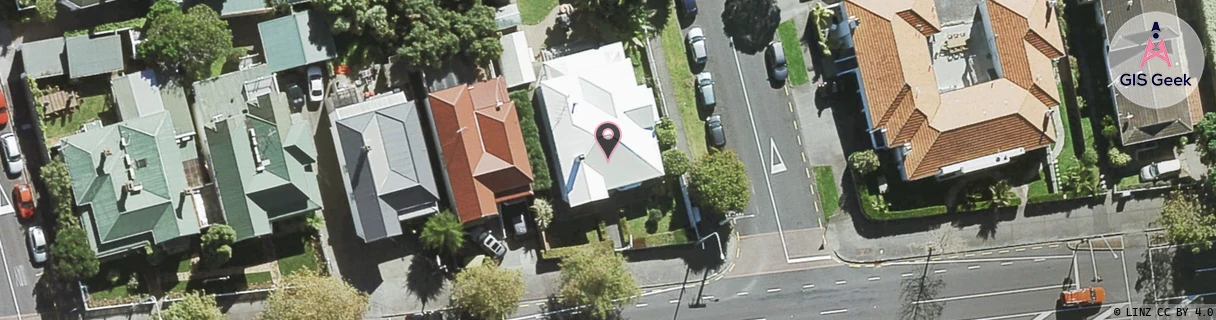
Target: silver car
491	244
775	59
696	46
705	90
37	243
12	154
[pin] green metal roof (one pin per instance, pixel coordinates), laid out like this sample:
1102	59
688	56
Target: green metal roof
296	40
44	58
285	185
118	218
92	56
232	8
146	92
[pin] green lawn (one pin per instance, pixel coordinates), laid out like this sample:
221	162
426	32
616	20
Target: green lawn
295	253
533	11
825	185
1038	187
93	107
682	80
1067	157
793	53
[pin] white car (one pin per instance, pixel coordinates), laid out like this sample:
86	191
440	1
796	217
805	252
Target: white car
37	243
12	154
1158	170
316	86
491	244
696	46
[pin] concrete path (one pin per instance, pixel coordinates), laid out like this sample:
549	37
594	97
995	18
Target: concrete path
663	83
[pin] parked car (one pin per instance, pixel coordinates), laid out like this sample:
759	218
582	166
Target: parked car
714	131
37	242
1158	170
688	7
775	59
520	225
3	111
316	86
705	90
1083	297
12	154
295	96
23	198
696	46
491	244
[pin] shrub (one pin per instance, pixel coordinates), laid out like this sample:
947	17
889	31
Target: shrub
1089	158
133	282
666	133
864	162
1111	133
113	276
675	162
541	182
1118	159
654	214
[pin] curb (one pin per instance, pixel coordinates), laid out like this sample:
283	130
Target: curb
879	261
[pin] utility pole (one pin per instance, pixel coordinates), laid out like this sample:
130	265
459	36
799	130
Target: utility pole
682	285
704	275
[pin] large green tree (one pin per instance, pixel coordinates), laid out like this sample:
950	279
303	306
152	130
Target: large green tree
419	31
487	291
194	306
1187	221
626	20
443	232
596	277
309	295
1206	130
189	41
54	176
217	245
72	257
719	182
675	162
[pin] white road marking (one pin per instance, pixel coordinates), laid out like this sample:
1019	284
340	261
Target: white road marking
905	275
1019	249
773	290
525	305
1205	269
1040	258
1054	246
824	313
840	282
986	253
809	286
741	294
989	294
708	297
809	259
1042	316
873	278
939	271
776	163
973	267
672	301
1002	251
1036	247
1006	263
1022	315
11	290
641	305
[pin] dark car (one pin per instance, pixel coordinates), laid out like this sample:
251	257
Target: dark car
688	7
714	131
775	59
296	97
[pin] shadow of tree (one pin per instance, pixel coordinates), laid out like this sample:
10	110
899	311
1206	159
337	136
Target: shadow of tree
751	23
424	280
915	290
556	309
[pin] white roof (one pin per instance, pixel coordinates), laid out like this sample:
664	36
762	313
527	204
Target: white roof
517	59
582	91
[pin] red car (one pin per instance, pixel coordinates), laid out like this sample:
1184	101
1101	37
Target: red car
23	198
3	111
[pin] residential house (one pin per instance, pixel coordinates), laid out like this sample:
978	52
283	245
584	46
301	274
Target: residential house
79	56
483	151
582	91
299	39
517	60
385	163
951	91
262	156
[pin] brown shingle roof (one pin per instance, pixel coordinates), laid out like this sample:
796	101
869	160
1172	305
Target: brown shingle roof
900	86
482	146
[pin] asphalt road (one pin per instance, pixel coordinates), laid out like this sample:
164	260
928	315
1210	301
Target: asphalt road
761	128
20	274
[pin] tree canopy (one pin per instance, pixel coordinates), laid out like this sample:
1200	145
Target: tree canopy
194	306
675	162
443	232
419	31
627	20
719	182
190	40
487	291
596	277
1187	221
73	259
59	185
864	162
544	212
1206	130
217	243
309	295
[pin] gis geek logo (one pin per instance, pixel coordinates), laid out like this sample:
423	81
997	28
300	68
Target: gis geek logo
1156	58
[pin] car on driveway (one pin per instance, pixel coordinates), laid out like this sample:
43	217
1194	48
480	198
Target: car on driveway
705	90
316	86
696	46
12	154
1158	170
23	198
491	244
295	97
714	131
37	242
775	59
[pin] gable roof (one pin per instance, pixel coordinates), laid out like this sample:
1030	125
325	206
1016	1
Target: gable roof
118	217
900	87
582	91
92	56
226	95
482	145
299	39
384	157
517	59
146	92
44	58
79	4
236	8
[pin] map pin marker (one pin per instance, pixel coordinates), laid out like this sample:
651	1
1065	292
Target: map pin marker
608	135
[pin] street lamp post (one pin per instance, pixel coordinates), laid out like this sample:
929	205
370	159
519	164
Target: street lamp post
722	253
1093	260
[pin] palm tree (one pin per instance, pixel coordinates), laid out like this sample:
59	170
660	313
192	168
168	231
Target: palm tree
443	232
543	211
1002	194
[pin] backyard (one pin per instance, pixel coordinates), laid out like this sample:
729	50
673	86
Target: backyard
93	103
650	217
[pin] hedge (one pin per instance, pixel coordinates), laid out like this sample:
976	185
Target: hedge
558	253
536	153
668	238
623	225
864	196
1045	198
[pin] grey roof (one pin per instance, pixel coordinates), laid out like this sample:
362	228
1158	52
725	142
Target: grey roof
517	59
1146	124
146	92
79	4
225	95
92	56
44	58
451	73
392	178
299	39
233	8
508	16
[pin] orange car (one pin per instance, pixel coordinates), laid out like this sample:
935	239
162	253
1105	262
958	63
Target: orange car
3	111
1084	297
23	198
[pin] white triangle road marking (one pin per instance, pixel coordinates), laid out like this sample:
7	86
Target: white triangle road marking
776	162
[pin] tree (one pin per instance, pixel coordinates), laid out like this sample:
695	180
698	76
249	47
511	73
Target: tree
487	291
596	277
217	243
315	221
443	232
675	162
1089	158
543	211
1187	221
478	33
309	295
73	259
751	23
1003	195
865	161
1118	159
625	20
59	185
193	306
429	40
666	133
190	40
719	183
47	9
1080	181
1206	131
